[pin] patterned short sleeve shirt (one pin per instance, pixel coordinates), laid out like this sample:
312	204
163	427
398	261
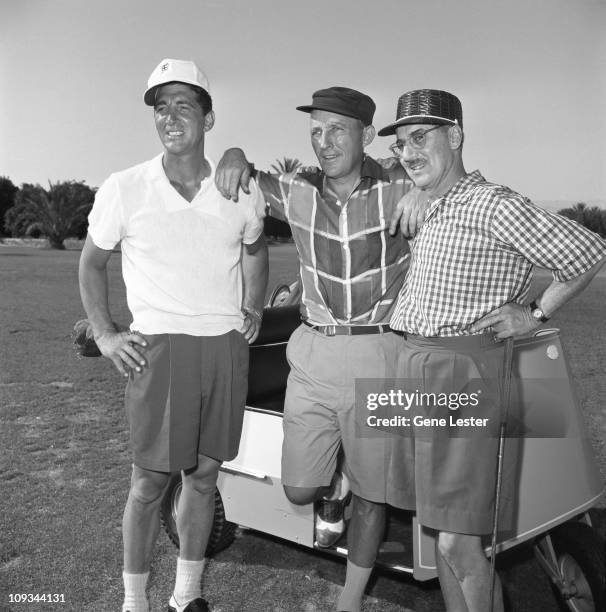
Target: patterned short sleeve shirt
476	252
351	268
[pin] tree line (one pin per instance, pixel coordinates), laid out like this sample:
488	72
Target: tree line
61	211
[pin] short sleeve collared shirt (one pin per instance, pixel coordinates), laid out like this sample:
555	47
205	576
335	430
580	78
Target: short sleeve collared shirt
476	252
181	260
351	268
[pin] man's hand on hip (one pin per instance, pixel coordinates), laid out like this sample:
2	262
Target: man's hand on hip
233	173
251	325
508	320
123	349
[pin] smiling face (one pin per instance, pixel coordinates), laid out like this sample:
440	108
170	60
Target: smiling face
437	165
180	120
338	142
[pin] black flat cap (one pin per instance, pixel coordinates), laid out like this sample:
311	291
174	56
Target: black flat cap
343	101
430	106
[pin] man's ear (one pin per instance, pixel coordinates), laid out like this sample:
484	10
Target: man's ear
455	137
209	121
368	134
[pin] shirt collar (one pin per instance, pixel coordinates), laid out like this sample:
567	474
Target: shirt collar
371	169
173	200
459	192
155	170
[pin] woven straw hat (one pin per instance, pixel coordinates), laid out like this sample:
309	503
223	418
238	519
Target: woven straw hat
429	106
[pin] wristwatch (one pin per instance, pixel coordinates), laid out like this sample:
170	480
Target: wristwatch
253	312
537	313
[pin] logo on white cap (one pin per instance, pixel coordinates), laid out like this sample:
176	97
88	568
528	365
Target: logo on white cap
171	70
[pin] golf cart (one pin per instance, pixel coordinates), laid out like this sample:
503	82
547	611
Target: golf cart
558	477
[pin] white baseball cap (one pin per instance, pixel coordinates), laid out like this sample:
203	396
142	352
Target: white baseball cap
170	70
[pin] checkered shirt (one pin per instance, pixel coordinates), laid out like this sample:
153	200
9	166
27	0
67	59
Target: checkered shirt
351	268
476	252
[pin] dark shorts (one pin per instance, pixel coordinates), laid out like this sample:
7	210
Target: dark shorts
188	401
320	412
453	474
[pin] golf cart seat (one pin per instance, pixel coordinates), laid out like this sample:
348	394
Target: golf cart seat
268	368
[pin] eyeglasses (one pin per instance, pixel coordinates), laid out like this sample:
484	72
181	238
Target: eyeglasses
416	141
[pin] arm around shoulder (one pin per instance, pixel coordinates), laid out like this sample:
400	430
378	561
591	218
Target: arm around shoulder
233	173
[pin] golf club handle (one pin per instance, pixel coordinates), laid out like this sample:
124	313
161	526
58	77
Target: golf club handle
506	380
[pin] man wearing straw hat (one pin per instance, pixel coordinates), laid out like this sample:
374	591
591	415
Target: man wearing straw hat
467	287
195	269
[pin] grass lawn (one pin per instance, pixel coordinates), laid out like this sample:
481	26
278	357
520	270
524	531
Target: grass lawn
65	463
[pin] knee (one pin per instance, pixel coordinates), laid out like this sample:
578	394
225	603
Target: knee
147	487
369	512
460	551
302	495
202	479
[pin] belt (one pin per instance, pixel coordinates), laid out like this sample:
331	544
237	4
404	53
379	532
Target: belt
454	343
348	330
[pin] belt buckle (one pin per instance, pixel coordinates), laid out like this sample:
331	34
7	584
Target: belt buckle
330	330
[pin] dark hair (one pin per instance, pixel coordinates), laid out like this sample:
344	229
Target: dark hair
202	96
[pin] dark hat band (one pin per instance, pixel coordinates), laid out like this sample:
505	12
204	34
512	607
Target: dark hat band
342	101
431	106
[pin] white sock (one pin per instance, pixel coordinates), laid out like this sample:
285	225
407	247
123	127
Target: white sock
187	583
135	599
340	487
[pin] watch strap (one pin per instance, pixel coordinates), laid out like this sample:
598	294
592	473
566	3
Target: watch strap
535	307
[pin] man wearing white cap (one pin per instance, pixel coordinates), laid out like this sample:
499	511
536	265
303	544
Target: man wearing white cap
195	270
468	285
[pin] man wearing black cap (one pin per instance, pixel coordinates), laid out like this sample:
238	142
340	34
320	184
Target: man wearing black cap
468	281
195	270
351	271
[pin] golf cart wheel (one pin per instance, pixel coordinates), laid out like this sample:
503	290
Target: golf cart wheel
580	566
278	295
222	533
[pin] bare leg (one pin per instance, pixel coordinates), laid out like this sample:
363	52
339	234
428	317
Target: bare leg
366	530
197	508
451	589
466	588
141	520
305	495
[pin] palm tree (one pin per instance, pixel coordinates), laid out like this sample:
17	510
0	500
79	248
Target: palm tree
286	165
8	192
593	218
56	213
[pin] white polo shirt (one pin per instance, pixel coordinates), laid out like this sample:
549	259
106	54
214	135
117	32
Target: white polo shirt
181	260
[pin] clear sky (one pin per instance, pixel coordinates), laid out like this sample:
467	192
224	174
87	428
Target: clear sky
531	75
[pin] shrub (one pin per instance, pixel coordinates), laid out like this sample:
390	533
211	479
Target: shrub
57	213
8	191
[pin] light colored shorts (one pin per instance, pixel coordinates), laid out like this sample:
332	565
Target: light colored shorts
188	401
320	413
